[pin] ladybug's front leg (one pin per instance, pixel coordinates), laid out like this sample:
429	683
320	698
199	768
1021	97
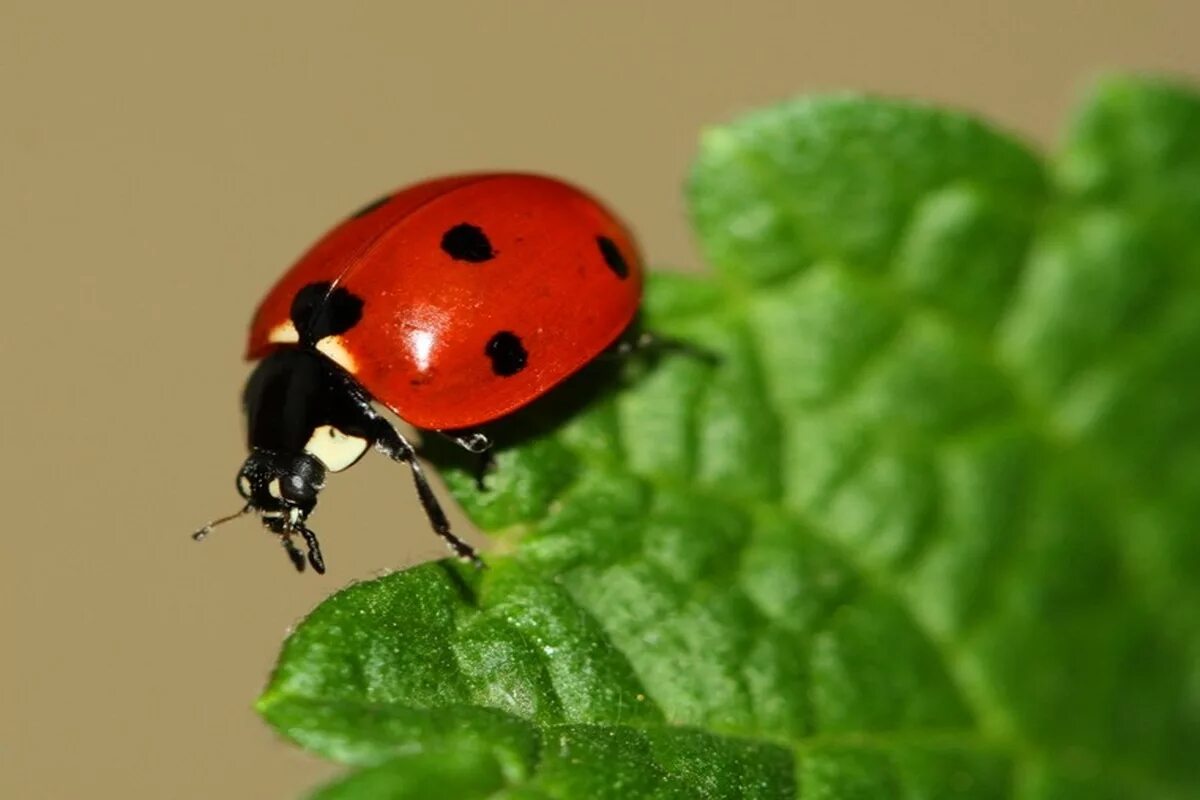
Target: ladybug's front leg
391	443
314	550
293	552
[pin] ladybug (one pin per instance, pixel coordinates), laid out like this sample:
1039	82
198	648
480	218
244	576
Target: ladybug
452	303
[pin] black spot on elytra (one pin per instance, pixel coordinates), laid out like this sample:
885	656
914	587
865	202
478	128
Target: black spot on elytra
369	207
613	257
466	242
318	312
507	354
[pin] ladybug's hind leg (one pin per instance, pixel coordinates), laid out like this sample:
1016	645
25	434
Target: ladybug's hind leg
656	345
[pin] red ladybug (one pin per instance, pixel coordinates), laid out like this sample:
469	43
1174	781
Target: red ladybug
453	302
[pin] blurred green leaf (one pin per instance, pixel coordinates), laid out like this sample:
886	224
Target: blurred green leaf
927	530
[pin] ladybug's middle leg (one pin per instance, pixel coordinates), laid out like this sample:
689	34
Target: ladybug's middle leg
471	441
478	444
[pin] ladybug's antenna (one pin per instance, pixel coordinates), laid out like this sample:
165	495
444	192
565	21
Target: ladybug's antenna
207	529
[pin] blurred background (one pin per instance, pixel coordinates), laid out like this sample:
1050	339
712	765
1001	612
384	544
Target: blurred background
160	166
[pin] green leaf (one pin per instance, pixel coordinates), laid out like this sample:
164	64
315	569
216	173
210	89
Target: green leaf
927	529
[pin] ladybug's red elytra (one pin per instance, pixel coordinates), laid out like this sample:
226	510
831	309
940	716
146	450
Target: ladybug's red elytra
453	303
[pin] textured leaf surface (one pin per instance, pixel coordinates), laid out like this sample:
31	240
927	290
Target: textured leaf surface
927	530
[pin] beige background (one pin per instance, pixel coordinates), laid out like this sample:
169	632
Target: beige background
159	167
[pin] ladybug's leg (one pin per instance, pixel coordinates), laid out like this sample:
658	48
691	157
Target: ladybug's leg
633	342
293	552
471	441
479	444
391	443
484	464
657	345
314	550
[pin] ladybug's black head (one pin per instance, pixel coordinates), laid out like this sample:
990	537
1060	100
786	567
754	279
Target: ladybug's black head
305	417
283	488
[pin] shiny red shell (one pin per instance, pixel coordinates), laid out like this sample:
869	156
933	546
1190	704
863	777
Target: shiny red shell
563	277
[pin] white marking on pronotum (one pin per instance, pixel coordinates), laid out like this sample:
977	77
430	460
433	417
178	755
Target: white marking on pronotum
284	333
334	449
336	352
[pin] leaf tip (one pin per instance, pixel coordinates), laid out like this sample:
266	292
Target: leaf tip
265	702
